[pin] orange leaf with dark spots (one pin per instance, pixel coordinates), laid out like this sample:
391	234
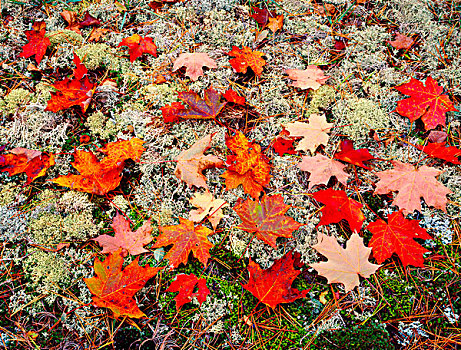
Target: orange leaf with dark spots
353	156
185	284
37	44
137	46
244	58
273	286
207	108
114	289
266	218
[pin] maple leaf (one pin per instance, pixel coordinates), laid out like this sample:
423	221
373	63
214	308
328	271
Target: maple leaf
171	112
283	143
185	284
266	218
129	241
185	238
191	163
401	41
75	92
89	20
275	23
244	58
354	156
338	206
37	44
207	206
207	108
261	16
310	78
113	288
71	19
97	33
438	150
413	184
313	133
22	160
397	236
273	285
100	177
344	265
426	102
231	96
194	63
137	46
321	168
249	167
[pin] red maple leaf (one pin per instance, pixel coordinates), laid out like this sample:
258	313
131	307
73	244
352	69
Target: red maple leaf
354	156
438	150
262	15
170	113
266	218
137	45
185	284
231	96
37	44
246	57
283	143
114	288
426	102
75	92
397	236
339	206
207	108
273	285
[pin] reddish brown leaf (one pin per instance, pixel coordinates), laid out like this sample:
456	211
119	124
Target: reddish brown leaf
97	33
401	41
244	58
37	44
397	236
231	96
113	288
426	102
273	285
130	242
354	156
138	45
185	284
185	238
438	150
71	19
338	206
89	20
262	16
275	23
266	218
207	108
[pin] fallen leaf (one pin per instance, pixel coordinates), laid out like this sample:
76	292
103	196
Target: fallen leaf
397	236
344	265
89	20
248	167
171	112
22	160
37	44
266	218
321	168
439	150
185	284
322	9
207	206
185	238
437	136
426	102
353	156
275	23
283	143
244	58
113	288
231	96
71	19
194	63
100	177
191	163
97	33
130	242
310	78
207	108
338	206
261	16
137	46
401	41
413	184
314	133
273	285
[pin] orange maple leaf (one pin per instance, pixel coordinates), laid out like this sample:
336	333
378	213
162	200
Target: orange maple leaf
114	288
100	177
244	58
37	44
185	238
249	167
137	45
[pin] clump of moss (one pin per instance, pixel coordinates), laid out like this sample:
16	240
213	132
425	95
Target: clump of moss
99	125
321	100
15	99
64	36
94	56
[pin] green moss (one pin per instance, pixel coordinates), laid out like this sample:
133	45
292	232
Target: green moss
64	36
15	99
99	125
94	56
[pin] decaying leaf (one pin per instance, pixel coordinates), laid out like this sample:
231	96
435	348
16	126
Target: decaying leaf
310	78
130	242
37	44
194	63
207	108
113	288
344	265
275	23
314	133
246	58
322	168
185	284
412	185
137	46
401	41
207	206
185	238
273	285
191	163
266	218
